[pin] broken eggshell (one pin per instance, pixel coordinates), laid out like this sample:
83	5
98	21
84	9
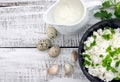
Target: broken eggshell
53	69
54	51
68	69
44	44
51	32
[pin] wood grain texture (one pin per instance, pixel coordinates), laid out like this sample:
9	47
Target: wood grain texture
30	65
23	26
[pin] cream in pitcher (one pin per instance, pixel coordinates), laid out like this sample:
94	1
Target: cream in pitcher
68	12
69	16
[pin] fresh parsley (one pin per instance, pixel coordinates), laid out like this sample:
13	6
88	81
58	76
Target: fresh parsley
104	14
93	43
87	56
112	31
117	10
110	35
86	62
107	63
109	49
117	63
107	36
101	56
117	78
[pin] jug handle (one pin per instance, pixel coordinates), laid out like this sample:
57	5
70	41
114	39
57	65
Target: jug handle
93	4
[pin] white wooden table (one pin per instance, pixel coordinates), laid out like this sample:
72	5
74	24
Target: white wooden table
21	27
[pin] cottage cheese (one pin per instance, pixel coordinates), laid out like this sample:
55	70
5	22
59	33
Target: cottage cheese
97	48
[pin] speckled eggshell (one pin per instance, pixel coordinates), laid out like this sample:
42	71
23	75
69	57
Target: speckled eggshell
43	44
51	32
54	51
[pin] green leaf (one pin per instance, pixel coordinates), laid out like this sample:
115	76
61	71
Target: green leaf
117	63
113	70
92	64
117	10
112	31
106	4
103	14
107	27
108	67
107	36
87	56
116	58
94	36
109	16
101	56
93	43
117	78
113	53
86	63
109	49
97	64
97	14
106	61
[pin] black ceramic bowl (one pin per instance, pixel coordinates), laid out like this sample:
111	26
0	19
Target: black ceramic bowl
113	23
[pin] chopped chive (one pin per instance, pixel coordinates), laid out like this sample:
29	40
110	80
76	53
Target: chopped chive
112	31
97	64
109	49
113	70
87	63
117	63
117	78
101	56
87	56
94	36
107	36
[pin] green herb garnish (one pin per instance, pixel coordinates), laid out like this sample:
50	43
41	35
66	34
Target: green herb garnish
101	56
109	49
103	13
116	58
113	53
93	43
112	31
117	63
97	64
107	36
113	70
106	4
107	63
117	78
86	62
87	56
117	10
94	36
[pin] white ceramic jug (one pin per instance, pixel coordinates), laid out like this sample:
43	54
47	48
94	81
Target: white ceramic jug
75	27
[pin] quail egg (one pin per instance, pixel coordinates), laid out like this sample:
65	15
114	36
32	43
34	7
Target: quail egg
51	32
44	44
54	51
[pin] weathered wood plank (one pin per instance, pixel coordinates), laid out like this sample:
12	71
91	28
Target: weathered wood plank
23	26
30	65
25	2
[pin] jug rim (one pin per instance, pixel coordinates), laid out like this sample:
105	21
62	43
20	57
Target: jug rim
53	23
